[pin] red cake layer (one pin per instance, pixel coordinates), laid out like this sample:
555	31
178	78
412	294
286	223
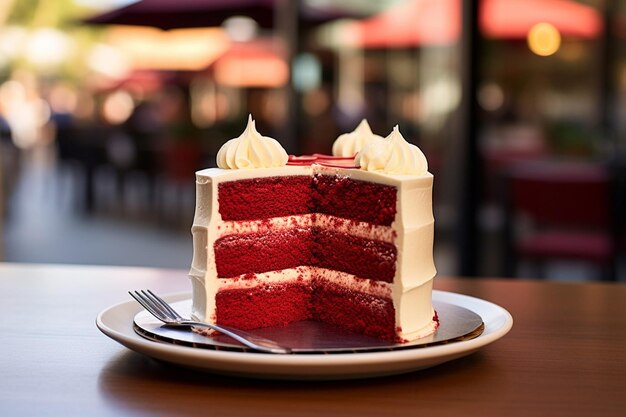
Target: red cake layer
254	253
356	200
354	311
261	198
365	258
264	306
321	301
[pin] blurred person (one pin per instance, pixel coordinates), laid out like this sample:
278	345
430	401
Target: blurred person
24	109
10	162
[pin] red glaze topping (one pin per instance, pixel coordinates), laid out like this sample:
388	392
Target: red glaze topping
321	159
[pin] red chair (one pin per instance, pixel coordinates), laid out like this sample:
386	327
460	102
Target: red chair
561	211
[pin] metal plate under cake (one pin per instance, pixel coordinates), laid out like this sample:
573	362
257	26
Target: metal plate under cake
310	337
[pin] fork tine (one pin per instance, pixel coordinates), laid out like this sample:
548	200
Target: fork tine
139	298
156	305
165	305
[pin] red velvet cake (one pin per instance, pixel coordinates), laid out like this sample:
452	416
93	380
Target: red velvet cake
280	239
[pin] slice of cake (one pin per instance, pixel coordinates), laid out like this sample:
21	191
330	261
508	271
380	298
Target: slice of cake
279	239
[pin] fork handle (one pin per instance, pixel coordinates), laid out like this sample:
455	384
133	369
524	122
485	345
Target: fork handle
251	340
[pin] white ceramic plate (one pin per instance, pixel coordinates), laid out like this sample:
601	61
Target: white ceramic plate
117	323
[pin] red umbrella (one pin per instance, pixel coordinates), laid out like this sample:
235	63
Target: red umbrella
414	22
258	63
438	22
177	14
514	18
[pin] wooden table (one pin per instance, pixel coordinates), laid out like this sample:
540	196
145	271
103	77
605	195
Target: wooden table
565	356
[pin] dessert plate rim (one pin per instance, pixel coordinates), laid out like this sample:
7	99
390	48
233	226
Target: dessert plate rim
117	322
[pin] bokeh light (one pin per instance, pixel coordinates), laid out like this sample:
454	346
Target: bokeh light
544	39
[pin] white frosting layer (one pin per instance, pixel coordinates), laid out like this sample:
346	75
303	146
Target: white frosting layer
392	155
306	221
304	275
251	150
349	144
413	228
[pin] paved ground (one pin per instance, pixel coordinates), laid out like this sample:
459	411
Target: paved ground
46	224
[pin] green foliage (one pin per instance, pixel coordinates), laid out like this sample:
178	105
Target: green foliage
63	15
50	13
572	138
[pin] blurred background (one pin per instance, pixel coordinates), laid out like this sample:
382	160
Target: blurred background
107	107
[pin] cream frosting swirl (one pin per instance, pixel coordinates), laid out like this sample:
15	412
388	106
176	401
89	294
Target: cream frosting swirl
349	144
392	155
251	150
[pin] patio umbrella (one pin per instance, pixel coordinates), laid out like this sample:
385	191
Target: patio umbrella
412	23
512	19
438	22
177	14
257	63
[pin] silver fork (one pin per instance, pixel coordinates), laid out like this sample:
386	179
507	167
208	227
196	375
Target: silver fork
164	312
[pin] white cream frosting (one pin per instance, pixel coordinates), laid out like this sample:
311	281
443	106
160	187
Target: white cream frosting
392	155
305	275
251	150
349	144
307	221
